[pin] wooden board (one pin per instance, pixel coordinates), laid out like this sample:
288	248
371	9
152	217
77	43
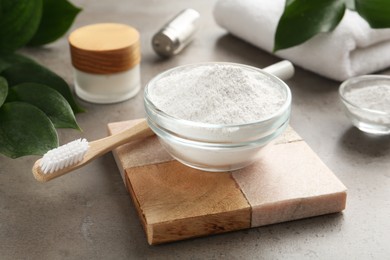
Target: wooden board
176	202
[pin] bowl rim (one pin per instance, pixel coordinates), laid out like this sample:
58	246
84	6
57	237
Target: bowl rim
362	78
283	109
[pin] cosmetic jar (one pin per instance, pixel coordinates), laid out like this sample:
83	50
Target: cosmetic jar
106	61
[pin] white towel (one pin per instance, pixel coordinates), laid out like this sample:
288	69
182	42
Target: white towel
353	48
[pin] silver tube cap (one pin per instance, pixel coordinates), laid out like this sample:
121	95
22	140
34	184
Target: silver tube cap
176	34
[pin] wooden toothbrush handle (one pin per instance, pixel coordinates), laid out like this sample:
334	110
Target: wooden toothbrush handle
96	148
99	147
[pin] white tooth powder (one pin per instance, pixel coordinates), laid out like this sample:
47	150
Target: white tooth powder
229	97
217	94
376	97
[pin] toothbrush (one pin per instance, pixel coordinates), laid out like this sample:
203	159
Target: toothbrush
76	154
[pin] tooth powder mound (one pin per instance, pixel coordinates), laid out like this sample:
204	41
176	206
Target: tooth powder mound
222	94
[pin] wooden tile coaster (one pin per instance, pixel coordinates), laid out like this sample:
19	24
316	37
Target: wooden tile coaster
175	202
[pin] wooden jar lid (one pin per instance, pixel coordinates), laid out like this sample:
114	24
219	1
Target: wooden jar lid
105	48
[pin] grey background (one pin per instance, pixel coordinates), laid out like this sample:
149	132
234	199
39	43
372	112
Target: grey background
89	215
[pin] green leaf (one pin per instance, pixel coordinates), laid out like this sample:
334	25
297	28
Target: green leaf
25	130
57	17
52	103
32	72
3	90
288	2
375	12
303	19
7	59
19	20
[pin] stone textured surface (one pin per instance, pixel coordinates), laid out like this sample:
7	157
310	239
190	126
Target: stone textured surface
87	214
175	202
290	182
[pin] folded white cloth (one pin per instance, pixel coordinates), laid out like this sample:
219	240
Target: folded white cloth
353	48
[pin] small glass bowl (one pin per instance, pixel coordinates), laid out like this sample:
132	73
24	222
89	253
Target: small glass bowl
213	147
367	106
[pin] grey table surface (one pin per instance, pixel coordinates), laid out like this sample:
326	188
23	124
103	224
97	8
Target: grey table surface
89	215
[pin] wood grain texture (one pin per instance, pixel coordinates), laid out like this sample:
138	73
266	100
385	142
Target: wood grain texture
138	153
105	48
177	202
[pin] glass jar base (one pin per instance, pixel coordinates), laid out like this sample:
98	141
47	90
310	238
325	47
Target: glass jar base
106	99
372	129
107	88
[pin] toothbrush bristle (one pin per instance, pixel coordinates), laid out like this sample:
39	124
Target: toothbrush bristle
64	156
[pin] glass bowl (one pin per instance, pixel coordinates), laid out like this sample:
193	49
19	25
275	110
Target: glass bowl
367	102
213	147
